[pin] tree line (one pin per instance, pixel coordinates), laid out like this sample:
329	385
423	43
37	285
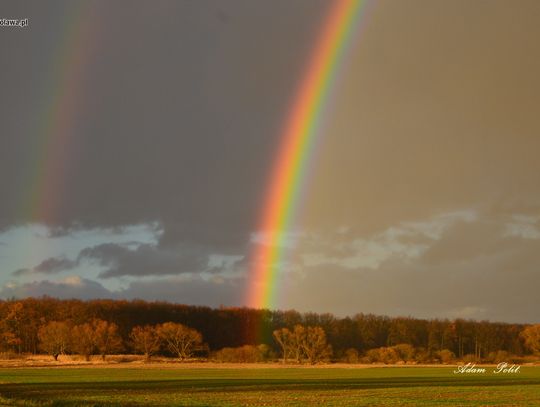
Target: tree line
102	337
107	326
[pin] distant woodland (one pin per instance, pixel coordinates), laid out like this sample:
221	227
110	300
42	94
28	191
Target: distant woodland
104	327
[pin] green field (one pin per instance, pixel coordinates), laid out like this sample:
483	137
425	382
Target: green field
391	386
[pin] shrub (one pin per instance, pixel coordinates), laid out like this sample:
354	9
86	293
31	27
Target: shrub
243	354
422	356
499	356
445	356
351	356
469	358
405	351
386	355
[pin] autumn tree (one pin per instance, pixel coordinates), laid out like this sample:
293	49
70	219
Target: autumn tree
84	340
107	339
179	339
54	338
531	337
290	342
283	337
96	336
10	327
145	340
313	344
302	342
297	339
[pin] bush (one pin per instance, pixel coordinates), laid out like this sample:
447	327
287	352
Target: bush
372	356
384	355
351	356
504	356
469	358
243	354
405	352
445	356
422	356
9	355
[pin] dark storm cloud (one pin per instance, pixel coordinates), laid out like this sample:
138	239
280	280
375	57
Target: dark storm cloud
214	293
49	266
145	260
179	107
74	287
195	292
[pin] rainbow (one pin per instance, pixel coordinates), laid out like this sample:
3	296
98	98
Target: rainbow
297	144
52	152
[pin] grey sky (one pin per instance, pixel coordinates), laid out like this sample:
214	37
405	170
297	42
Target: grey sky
423	198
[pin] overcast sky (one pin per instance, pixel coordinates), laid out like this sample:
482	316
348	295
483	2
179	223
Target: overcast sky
137	139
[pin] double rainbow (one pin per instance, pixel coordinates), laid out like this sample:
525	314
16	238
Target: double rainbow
297	144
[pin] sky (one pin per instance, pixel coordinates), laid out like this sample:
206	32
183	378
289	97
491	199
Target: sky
137	141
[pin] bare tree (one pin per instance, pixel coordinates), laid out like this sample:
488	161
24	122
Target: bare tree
297	340
96	336
145	340
179	339
283	338
54	338
108	340
314	345
290	342
309	343
84	340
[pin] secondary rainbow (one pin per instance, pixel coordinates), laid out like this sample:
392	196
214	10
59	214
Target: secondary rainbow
52	152
297	144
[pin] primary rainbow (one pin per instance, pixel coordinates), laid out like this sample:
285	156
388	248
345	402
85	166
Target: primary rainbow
297	143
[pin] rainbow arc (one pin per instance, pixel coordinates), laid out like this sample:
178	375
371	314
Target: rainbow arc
298	141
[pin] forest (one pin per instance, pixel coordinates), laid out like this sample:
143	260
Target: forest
37	325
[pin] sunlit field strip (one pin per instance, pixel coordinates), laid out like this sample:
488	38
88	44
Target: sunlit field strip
266	387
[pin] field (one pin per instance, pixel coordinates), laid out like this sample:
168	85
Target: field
266	386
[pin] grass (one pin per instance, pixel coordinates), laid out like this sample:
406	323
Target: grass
391	386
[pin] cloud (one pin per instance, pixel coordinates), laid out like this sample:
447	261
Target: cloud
178	117
496	287
192	291
470	268
145	260
525	226
407	240
186	139
196	291
71	287
49	266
